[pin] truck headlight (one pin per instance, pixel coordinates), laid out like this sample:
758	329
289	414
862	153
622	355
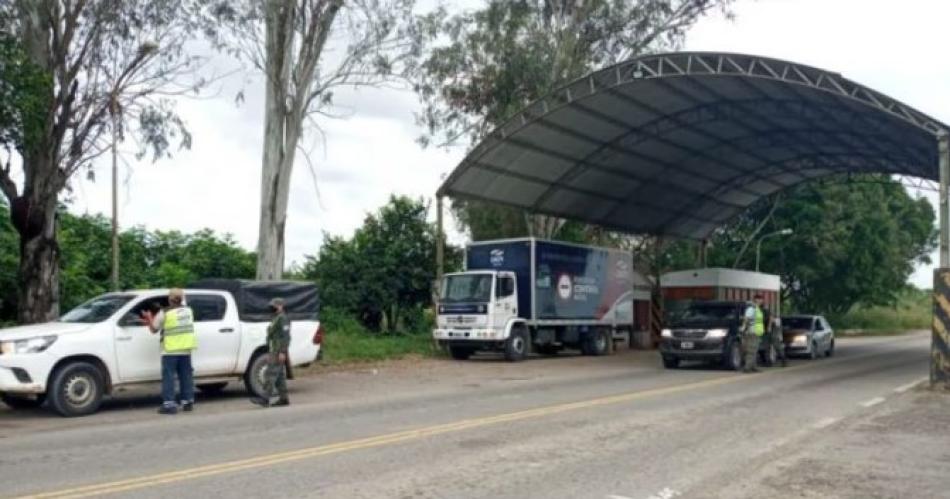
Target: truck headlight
30	345
717	333
666	333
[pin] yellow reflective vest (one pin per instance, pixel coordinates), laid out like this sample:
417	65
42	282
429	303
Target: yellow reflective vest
759	326
178	331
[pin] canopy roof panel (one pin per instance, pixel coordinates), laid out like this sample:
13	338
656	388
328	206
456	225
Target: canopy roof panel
678	144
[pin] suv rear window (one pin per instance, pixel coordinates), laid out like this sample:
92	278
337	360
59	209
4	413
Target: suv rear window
709	312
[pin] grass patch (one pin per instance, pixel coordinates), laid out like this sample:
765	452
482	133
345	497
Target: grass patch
347	341
912	311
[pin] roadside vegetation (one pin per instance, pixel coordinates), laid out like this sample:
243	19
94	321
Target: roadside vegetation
912	311
347	341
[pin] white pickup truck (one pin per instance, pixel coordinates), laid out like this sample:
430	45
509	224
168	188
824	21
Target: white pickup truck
104	344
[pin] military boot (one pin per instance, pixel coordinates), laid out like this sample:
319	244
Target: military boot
283	401
261	401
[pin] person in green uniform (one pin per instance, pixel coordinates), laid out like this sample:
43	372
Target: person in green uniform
753	329
278	344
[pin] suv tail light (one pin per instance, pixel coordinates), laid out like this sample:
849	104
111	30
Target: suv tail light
318	335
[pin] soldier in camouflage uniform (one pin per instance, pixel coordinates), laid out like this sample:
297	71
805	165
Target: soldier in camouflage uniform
278	344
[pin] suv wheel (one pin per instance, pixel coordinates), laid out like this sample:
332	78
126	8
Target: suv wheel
671	362
733	359
77	389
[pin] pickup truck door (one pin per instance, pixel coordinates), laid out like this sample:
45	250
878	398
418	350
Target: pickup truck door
138	351
219	334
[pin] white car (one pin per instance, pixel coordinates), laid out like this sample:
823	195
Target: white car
104	344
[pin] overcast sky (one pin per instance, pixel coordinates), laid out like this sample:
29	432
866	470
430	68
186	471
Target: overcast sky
895	47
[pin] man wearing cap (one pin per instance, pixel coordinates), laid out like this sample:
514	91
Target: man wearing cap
176	326
278	344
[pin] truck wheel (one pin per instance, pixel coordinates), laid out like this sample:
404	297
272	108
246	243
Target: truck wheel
212	388
19	402
254	376
461	353
733	359
76	389
671	362
516	347
597	342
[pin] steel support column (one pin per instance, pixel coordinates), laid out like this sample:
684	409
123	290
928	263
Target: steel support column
940	342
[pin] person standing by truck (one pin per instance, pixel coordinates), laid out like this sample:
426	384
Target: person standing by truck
176	327
753	328
278	344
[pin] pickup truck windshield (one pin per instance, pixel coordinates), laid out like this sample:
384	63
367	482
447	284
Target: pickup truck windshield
97	309
708	312
466	288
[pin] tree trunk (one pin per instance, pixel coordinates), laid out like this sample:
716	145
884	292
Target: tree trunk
34	217
278	159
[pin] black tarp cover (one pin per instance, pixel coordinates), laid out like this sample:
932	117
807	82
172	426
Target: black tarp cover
301	300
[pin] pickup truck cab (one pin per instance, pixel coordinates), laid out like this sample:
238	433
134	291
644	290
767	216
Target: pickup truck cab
104	344
710	331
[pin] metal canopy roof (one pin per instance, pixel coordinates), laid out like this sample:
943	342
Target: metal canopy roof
678	144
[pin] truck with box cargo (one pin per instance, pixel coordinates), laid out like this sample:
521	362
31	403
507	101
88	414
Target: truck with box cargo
519	295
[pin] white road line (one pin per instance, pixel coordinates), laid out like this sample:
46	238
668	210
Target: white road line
824	423
618	497
873	402
908	386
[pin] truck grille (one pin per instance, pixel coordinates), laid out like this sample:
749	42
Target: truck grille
694	334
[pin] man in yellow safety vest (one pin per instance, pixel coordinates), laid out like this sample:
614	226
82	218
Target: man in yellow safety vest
176	325
753	328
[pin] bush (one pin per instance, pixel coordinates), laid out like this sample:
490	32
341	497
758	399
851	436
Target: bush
347	340
913	311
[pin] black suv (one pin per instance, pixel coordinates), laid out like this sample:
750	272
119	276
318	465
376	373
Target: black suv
710	331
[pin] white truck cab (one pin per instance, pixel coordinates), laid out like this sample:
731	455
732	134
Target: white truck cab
104	344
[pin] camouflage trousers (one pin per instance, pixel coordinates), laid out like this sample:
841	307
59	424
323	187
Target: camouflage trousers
750	347
275	376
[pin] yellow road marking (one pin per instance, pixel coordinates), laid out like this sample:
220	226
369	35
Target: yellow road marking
402	436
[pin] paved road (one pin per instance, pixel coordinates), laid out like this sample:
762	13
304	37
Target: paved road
615	427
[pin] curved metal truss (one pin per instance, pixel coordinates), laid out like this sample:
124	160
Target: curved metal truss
680	143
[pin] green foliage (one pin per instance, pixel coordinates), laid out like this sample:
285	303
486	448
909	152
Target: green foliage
347	340
853	243
504	56
24	91
382	275
913	310
149	259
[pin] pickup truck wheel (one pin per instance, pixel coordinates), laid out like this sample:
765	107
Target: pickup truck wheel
212	388
254	376
733	360
671	362
516	347
77	389
461	353
20	402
